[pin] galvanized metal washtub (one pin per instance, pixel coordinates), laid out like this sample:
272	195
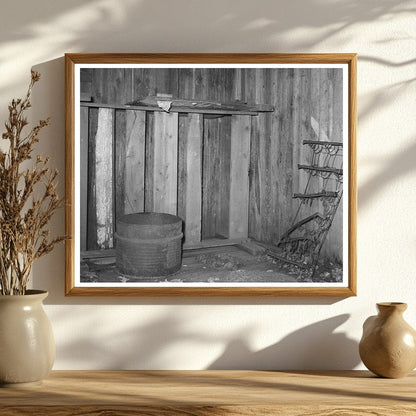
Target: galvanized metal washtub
149	244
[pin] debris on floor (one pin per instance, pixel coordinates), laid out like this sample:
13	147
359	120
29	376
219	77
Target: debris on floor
221	265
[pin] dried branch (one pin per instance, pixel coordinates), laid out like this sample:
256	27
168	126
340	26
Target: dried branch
23	218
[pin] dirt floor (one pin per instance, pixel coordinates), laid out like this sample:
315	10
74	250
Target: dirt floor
216	265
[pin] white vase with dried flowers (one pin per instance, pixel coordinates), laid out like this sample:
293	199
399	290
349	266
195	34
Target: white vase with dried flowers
28	200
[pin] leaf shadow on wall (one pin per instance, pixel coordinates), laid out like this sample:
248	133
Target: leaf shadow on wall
403	162
316	346
144	346
133	17
77	26
395	168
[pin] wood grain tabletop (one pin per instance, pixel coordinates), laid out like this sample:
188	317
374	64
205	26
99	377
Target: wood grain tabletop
212	392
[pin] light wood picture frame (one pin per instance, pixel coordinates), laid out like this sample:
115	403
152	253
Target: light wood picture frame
252	152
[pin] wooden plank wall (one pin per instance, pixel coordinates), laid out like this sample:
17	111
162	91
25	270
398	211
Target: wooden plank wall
275	140
276	145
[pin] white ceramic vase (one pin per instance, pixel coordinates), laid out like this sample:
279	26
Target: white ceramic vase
27	347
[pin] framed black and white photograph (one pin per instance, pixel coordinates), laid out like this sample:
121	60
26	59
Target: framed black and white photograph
211	174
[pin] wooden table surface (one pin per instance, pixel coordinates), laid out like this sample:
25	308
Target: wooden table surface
254	393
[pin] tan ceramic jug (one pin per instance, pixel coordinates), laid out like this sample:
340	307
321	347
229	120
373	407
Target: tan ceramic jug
27	347
388	345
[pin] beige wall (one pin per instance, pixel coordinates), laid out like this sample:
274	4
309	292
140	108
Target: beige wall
195	333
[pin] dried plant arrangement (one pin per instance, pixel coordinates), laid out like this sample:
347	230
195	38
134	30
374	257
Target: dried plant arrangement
28	198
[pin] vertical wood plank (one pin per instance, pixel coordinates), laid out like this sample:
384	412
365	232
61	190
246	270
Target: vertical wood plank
86	80
337	105
165	163
186	83
316	102
99	85
141	83
208	178
322	109
254	177
211	179
186	90
311	99
149	168
286	140
336	233
91	209
117	85
104	177
223	174
230	87
201	85
228	80
306	132
182	139
262	93
208	87
135	161
162	80
83	149
240	151
129	161
128	87
278	149
296	129
334	244
325	106
237	87
120	163
193	179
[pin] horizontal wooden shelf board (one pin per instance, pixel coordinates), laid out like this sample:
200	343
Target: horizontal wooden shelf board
213	388
155	101
174	109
